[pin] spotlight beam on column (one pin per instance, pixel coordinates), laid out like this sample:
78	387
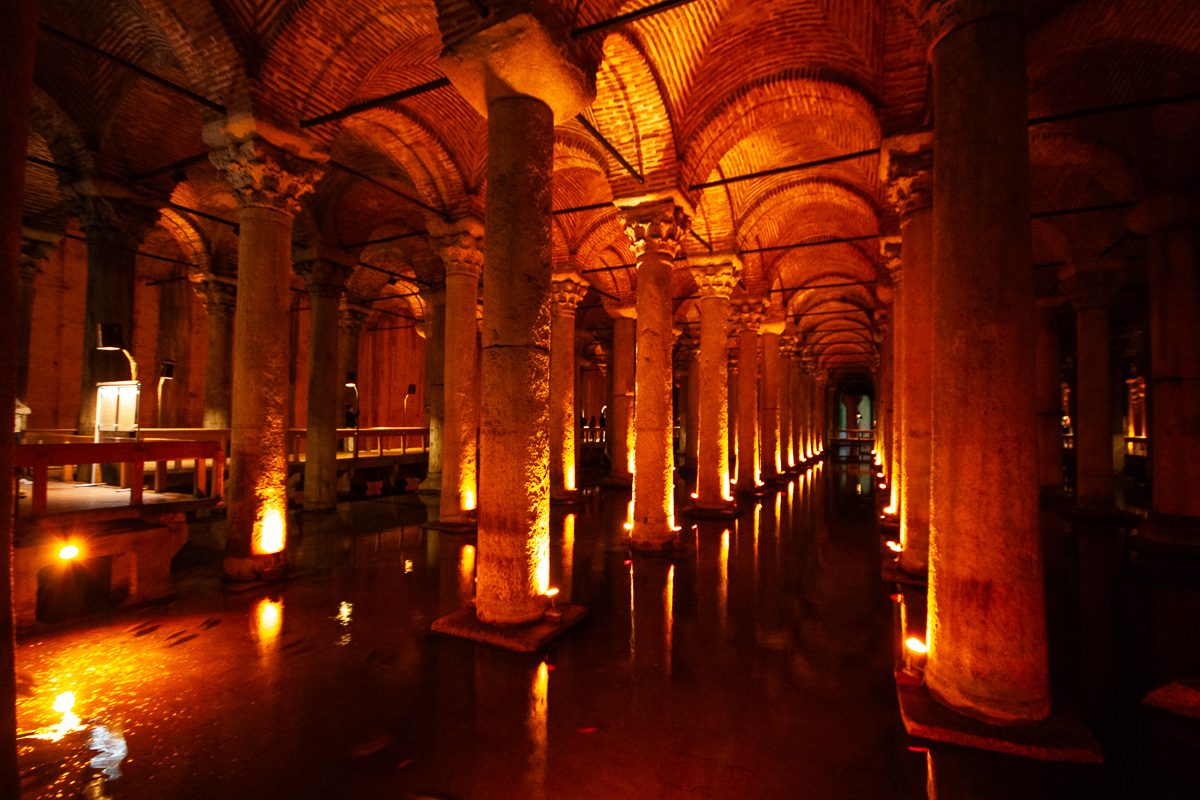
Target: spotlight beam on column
145	73
367	105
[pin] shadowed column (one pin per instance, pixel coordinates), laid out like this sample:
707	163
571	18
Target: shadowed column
986	620
620	418
566	290
1049	402
435	388
1091	294
220	301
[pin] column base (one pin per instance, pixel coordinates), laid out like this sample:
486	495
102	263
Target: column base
566	497
894	573
612	482
670	548
525	638
459	526
1061	737
1168	535
254	568
1180	697
754	491
431	485
726	511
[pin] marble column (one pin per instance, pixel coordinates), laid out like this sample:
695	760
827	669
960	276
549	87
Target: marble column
691	427
435	383
656	229
36	247
462	255
732	386
1170	222
768	421
747	320
892	257
566	290
220	300
325	280
715	281
18	33
1095	485
267	181
1049	401
620	417
986	619
114	228
798	400
908	170
885	420
787	348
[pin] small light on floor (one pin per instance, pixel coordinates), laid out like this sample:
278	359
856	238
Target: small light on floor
408	566
895	547
553	592
916	645
68	552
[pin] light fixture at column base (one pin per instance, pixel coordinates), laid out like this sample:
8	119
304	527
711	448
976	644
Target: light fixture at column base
1061	737
464	527
669	548
566	497
617	483
268	567
525	638
726	511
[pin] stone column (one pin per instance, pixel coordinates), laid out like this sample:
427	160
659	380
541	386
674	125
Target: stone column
114	228
884	420
1170	222
747	319
620	417
463	257
892	258
715	280
566	290
768	421
655	229
1095	486
1049	401
731	389
787	348
986	621
798	401
691	427
267	180
220	300
435	396
325	280
36	247
907	168
18	32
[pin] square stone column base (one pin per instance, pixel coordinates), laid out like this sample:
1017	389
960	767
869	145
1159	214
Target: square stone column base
728	511
465	527
525	638
1062	737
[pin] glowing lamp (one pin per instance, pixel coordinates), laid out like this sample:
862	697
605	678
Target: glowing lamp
271	532
468	500
916	645
894	547
68	552
109	337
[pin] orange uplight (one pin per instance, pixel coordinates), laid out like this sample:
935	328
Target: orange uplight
68	552
629	517
571	479
552	592
890	510
271	533
269	619
64	703
468	500
916	645
895	547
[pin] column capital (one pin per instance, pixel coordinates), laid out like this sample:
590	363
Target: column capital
906	169
655	225
219	293
1163	211
621	310
567	289
890	260
747	315
940	17
322	276
351	316
265	176
1089	290
715	276
787	346
120	221
460	245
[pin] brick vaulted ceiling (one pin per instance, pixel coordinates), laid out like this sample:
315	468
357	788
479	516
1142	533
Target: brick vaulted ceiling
708	90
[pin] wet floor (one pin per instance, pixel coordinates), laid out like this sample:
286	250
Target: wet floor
758	666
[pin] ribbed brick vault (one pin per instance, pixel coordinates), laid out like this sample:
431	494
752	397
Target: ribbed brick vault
710	90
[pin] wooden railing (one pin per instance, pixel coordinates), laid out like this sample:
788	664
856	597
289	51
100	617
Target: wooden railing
378	435
132	455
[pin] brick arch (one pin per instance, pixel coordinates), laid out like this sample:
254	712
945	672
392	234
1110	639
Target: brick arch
201	42
631	112
572	150
191	239
603	230
60	132
840	120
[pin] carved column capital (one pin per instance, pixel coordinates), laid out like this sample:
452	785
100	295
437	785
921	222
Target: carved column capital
322	277
265	176
889	256
906	169
567	289
940	17
118	221
461	250
219	293
714	278
657	226
747	315
352	317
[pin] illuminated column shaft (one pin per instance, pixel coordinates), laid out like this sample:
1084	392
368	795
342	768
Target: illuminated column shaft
620	418
769	417
1170	222
514	496
692	410
1095	484
747	319
786	458
463	258
567	289
732	391
797	401
655	228
1049	401
220	300
884	420
899	384
266	185
435	383
987	625
715	282
325	281
810	407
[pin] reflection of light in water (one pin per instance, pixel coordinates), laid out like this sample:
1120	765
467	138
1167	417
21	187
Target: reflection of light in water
112	750
723	586
268	619
629	516
568	556
271	531
632	616
779	508
468	500
345	610
64	703
669	602
757	522
538	702
466	571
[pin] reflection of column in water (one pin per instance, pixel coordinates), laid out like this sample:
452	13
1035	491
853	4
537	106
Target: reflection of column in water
466	573
536	723
510	727
652	612
723	585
